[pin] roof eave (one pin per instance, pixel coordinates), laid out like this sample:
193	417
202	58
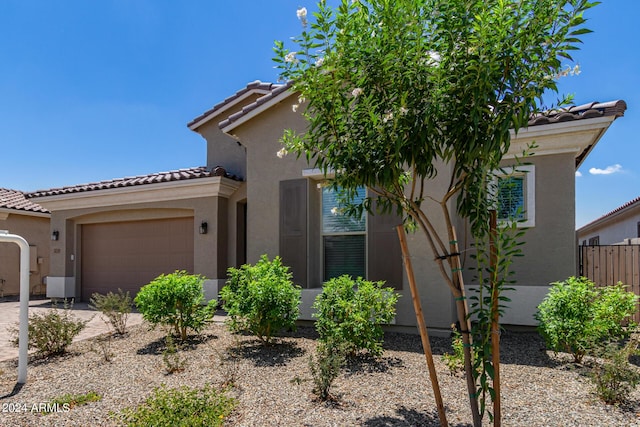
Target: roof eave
144	193
590	130
11	211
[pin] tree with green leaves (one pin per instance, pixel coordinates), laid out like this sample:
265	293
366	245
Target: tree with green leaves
398	93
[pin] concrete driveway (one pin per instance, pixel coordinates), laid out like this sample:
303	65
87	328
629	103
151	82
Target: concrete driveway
9	314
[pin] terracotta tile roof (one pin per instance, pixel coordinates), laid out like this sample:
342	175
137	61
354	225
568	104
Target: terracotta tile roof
578	112
626	206
154	178
257	86
277	90
14	199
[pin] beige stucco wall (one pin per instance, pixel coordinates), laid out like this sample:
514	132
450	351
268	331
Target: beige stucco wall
222	150
265	170
437	303
549	252
35	229
264	173
550	248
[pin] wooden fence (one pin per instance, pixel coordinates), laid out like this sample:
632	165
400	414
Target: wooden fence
610	264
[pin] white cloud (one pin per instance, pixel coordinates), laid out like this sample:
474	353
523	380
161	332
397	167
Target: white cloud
607	171
578	174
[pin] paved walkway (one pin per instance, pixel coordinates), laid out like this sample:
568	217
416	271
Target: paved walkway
9	314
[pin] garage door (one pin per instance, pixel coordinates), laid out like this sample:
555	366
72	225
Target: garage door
128	255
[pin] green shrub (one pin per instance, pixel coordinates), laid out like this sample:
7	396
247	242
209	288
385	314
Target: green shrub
455	360
576	315
51	332
325	367
176	300
72	400
182	406
102	345
614	377
352	312
261	298
115	307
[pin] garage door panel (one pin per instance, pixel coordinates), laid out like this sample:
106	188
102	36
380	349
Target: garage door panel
128	255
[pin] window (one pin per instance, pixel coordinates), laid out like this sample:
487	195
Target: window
594	241
343	238
515	195
318	244
511	198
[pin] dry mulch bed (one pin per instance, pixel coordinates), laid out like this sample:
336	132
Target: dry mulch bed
273	384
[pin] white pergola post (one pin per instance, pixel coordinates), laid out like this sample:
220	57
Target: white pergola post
23	334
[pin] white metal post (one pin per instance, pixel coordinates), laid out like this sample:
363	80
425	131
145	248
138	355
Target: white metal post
23	333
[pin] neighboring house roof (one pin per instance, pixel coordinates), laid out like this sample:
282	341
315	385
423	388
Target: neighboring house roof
16	200
154	178
617	211
255	87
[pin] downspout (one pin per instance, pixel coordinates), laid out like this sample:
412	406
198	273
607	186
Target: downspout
23	334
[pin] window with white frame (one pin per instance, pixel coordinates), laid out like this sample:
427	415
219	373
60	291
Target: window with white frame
515	195
344	238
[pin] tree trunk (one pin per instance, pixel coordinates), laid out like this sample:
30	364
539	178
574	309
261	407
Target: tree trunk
465	328
495	319
424	335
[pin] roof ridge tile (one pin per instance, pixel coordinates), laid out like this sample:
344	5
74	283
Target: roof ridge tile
254	85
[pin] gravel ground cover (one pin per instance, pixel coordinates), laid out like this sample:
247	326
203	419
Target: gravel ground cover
273	384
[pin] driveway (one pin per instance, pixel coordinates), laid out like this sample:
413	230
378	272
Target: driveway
9	314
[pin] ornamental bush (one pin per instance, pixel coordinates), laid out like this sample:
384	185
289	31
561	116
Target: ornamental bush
576	316
325	368
116	307
455	360
613	376
176	300
261	298
51	332
352	312
181	406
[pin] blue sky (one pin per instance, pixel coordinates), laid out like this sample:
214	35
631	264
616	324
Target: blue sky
95	90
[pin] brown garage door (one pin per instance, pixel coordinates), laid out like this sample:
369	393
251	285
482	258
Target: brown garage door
128	255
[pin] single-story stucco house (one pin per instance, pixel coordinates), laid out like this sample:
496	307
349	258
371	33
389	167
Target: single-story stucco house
247	201
620	226
21	216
